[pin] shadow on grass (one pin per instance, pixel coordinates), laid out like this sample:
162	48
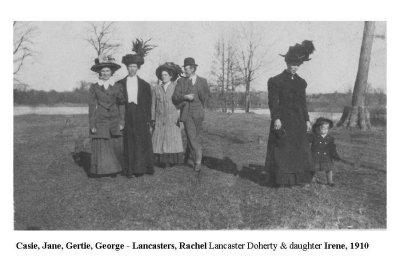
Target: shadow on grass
254	173
225	165
82	159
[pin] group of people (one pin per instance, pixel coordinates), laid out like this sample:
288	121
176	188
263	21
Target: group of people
133	126
148	122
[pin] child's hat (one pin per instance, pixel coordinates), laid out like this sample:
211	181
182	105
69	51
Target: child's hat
320	121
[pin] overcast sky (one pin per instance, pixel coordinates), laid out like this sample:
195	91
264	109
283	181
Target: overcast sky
63	57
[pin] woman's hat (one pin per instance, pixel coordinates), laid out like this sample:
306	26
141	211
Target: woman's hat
169	66
132	59
104	61
140	49
189	61
299	52
320	121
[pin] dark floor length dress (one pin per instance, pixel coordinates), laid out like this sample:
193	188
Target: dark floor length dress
138	148
288	160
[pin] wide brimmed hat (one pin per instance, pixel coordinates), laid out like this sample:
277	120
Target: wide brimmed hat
132	59
169	66
140	49
299	52
189	61
104	61
320	121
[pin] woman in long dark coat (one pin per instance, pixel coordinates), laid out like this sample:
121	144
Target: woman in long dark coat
106	119
138	149
288	160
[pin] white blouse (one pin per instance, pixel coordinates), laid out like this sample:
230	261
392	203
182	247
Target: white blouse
132	89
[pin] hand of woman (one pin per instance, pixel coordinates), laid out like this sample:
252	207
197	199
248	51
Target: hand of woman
308	123
277	124
121	127
189	97
93	130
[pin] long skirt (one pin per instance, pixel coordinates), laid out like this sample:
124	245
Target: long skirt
106	156
168	158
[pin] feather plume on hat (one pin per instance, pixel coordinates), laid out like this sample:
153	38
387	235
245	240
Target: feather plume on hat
142	48
300	52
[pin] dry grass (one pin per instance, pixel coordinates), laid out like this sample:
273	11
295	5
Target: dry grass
52	192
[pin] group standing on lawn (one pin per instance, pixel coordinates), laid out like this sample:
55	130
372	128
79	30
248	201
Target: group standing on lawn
134	126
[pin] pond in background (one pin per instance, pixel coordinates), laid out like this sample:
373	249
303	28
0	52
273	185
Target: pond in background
43	110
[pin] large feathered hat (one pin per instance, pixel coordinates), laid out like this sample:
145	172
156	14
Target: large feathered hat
141	49
299	52
170	67
105	61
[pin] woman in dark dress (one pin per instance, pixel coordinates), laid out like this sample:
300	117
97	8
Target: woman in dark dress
106	119
288	160
138	150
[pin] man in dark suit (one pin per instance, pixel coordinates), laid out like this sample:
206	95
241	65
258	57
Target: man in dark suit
138	148
190	96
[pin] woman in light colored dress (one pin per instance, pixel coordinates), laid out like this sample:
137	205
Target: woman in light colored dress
166	138
106	120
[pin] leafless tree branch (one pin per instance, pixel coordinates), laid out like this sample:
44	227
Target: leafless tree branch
24	34
100	36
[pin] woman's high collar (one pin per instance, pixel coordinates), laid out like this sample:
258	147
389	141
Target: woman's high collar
106	83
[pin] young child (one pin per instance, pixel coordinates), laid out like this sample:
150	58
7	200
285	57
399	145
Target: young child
323	148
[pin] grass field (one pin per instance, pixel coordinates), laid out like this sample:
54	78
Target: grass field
52	192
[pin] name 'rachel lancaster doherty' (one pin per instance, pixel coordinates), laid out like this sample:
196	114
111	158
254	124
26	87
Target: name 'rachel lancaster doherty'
212	245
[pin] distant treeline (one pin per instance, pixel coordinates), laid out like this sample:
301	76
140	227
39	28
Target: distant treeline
327	102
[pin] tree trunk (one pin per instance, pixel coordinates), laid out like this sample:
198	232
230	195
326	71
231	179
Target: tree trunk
247	98
223	103
357	115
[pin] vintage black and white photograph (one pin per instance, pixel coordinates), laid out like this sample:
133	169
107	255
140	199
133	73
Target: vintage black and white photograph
199	125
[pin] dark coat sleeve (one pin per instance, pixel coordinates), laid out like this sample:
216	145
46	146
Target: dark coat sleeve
92	106
303	101
148	102
205	92
310	137
121	104
273	99
332	149
178	95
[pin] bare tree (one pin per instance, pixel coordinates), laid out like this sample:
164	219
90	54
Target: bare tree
225	68
358	115
100	37
250	58
24	34
220	70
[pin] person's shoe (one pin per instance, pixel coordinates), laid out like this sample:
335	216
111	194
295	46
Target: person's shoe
138	174
331	184
197	167
190	162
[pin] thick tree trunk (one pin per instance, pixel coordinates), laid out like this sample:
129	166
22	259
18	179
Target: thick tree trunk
357	115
